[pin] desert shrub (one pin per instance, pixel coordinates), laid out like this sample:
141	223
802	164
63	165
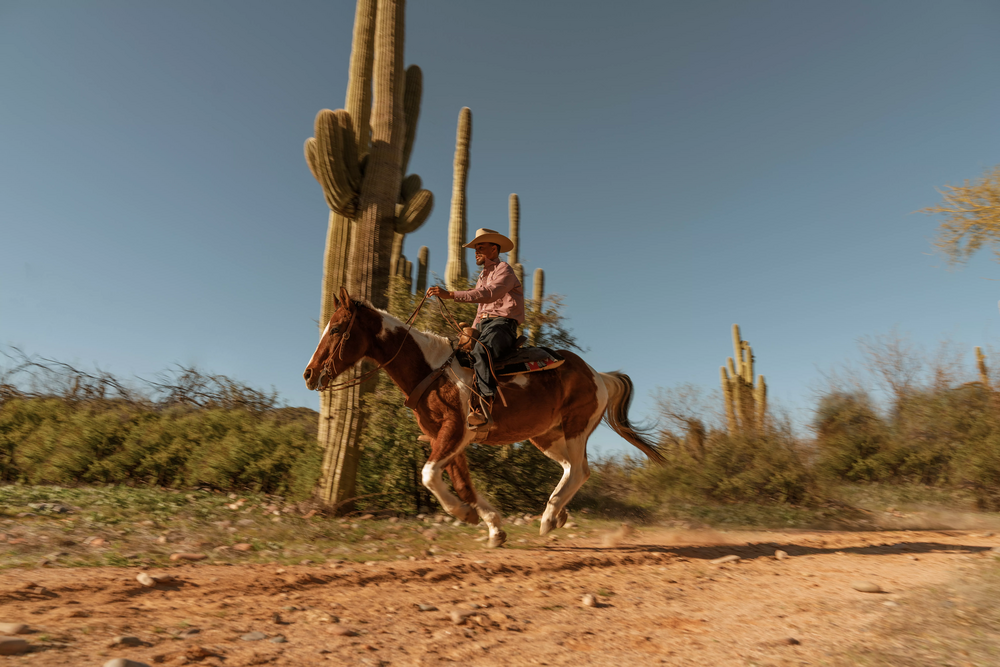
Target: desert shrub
97	431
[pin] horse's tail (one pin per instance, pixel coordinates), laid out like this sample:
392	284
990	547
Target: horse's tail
620	392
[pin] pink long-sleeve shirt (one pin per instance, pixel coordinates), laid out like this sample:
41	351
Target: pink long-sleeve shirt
498	293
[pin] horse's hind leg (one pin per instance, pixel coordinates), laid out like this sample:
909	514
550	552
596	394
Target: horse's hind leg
571	454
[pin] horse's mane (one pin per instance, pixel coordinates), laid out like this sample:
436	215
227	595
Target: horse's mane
436	338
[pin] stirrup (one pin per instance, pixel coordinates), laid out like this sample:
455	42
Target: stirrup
480	416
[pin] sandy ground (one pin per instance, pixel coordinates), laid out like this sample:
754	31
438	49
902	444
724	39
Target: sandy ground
661	600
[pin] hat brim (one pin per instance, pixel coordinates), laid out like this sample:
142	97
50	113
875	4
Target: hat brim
506	245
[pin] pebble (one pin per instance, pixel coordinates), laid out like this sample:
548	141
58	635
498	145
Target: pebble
123	662
366	517
792	641
96	542
731	558
12	646
459	616
253	636
278	640
145	580
242	546
126	641
426	607
589	600
780	555
866	587
188	632
181	556
341	631
12	628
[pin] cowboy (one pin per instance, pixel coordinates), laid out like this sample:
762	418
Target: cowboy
501	309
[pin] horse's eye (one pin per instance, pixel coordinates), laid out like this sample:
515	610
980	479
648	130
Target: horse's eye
334	330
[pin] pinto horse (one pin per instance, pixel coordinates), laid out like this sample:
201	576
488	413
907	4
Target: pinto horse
556	410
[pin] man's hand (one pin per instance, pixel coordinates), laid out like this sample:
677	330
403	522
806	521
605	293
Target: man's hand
437	291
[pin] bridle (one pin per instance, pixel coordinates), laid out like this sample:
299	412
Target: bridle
330	365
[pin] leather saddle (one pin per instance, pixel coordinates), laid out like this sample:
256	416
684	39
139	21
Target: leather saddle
520	359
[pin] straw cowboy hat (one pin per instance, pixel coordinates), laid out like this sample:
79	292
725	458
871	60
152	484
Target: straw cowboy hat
484	235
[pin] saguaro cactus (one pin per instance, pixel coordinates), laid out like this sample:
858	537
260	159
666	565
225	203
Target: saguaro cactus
746	404
536	305
456	271
422	259
515	235
360	165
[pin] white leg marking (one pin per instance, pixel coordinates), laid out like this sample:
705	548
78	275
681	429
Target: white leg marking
431	477
488	514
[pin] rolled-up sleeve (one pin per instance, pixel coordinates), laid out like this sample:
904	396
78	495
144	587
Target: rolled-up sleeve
500	282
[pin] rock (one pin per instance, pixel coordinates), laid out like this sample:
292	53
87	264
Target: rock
780	555
126	641
792	641
123	662
163	578
188	632
430	534
278	640
186	556
253	636
162	539
890	603
589	600
145	580
420	607
12	646
459	616
95	542
242	546
12	628
731	558
366	517
866	587
341	631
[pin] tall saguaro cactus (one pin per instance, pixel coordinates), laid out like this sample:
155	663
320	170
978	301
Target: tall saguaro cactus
422	260
456	270
515	236
746	404
359	156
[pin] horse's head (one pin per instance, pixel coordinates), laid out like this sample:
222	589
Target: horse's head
341	345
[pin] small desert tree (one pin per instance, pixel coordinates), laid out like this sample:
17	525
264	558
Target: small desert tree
972	218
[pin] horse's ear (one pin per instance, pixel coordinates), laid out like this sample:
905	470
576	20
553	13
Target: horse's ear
345	298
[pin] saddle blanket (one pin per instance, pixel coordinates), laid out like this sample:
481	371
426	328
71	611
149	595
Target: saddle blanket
529	360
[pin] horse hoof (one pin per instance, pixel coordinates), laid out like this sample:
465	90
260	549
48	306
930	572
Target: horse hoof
545	527
497	540
562	519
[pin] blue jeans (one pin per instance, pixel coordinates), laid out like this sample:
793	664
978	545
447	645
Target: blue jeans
497	335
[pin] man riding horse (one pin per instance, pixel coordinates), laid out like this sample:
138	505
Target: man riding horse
501	309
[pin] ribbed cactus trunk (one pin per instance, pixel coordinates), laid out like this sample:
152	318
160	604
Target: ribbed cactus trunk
422	259
360	163
536	304
456	271
746	403
515	236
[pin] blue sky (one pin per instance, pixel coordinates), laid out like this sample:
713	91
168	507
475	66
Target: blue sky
681	166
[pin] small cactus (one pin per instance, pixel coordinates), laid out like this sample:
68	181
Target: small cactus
539	299
422	260
515	236
456	270
746	404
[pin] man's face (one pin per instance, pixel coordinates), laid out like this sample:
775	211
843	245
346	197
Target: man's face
485	251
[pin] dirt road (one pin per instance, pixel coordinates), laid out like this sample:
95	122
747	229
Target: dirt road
660	600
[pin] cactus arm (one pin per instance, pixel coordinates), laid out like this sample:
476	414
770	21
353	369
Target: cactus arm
412	91
727	399
414	212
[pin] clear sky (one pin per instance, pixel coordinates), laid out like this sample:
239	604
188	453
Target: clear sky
681	166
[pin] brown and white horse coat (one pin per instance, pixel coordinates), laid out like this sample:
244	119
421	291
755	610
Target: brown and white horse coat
556	410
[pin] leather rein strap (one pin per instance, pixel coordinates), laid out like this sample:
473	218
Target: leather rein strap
425	384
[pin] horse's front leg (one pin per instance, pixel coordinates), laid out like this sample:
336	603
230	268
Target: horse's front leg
458	470
446	452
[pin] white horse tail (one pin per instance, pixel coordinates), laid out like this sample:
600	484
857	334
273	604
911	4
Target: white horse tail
620	392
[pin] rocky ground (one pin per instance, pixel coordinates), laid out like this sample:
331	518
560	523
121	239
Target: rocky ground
591	597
